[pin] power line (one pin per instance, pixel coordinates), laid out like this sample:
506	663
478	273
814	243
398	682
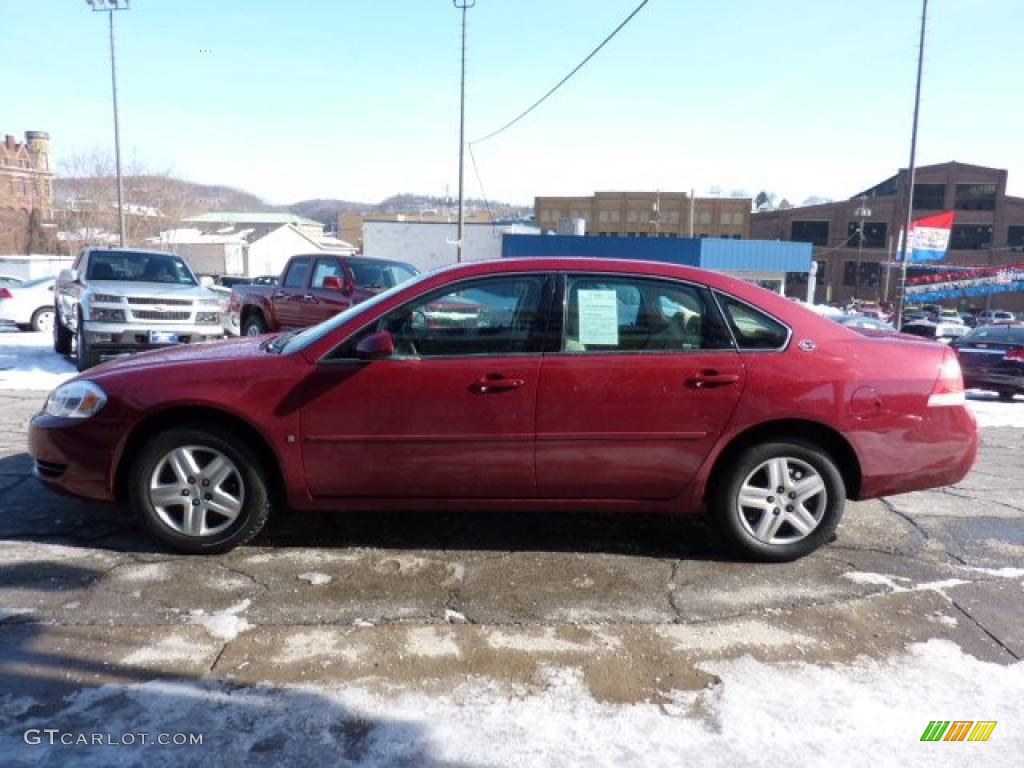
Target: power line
565	79
480	181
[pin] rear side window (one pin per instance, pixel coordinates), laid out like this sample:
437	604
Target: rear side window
298	273
752	328
625	314
325	268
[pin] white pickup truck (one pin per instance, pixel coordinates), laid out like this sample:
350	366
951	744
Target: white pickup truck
117	300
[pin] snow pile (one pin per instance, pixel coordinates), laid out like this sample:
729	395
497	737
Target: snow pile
868	713
224	625
315	578
991	412
27	361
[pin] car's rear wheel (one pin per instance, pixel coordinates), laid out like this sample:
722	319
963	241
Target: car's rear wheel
61	336
778	501
200	491
43	319
254	325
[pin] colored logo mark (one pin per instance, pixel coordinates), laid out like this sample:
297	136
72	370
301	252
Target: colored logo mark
958	730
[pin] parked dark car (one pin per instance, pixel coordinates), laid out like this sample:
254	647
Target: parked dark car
230	281
531	384
992	357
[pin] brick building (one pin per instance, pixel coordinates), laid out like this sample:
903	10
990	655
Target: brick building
26	191
988	230
648	214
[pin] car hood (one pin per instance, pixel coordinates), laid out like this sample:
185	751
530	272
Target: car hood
233	349
150	290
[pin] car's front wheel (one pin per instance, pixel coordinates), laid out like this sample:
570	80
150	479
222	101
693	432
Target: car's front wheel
254	325
201	491
778	501
61	336
85	356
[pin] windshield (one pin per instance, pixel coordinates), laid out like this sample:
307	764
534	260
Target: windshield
313	334
139	267
372	273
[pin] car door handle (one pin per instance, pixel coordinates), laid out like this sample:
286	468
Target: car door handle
710	379
494	382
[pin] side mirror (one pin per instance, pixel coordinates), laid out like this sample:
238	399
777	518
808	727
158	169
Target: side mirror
67	276
206	281
376	346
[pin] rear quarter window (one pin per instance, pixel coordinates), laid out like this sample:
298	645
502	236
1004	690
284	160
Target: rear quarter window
752	328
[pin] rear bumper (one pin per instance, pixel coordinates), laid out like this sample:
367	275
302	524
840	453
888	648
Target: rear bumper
74	456
938	449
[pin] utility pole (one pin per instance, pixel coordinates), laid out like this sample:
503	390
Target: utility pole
462	5
862	213
911	170
109	6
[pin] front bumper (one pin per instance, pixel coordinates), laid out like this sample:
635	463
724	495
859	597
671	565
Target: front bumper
75	456
116	336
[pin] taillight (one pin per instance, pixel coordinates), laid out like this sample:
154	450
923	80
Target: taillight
5	294
949	386
1014	355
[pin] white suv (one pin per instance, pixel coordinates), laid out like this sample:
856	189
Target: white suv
989	316
116	300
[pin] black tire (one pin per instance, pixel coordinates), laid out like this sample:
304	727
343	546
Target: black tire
256	503
737	526
85	356
61	335
38	318
254	325
1007	394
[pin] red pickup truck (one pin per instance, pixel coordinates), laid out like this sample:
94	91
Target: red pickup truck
312	288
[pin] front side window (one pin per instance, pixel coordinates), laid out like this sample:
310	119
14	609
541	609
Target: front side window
623	314
298	271
493	316
373	273
752	328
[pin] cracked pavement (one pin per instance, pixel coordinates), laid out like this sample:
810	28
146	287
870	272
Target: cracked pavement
424	601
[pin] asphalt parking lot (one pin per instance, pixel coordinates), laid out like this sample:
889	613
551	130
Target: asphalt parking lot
648	615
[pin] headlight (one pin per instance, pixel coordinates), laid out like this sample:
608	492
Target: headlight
207	317
76	400
101	315
106	298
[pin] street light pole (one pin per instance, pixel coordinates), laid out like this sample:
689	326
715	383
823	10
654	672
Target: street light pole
109	6
462	5
911	170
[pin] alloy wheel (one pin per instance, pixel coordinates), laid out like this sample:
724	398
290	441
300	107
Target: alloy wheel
196	490
782	501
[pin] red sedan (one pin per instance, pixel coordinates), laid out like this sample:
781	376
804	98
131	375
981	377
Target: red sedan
571	384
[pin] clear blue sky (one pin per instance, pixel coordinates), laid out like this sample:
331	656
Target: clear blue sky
359	100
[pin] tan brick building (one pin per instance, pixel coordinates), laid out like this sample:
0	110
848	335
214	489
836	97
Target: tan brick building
648	214
988	230
26	190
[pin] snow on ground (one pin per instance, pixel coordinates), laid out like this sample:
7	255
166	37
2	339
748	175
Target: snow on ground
867	713
991	412
27	361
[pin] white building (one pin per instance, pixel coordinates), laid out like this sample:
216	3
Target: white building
269	254
431	244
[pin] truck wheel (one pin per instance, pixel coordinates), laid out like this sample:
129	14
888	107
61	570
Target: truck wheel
778	501
61	335
85	356
254	325
42	320
200	490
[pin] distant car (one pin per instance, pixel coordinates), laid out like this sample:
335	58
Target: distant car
928	329
230	281
265	280
9	281
522	384
995	316
992	357
865	321
970	319
28	305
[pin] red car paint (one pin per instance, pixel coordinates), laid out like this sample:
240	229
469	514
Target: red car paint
544	430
